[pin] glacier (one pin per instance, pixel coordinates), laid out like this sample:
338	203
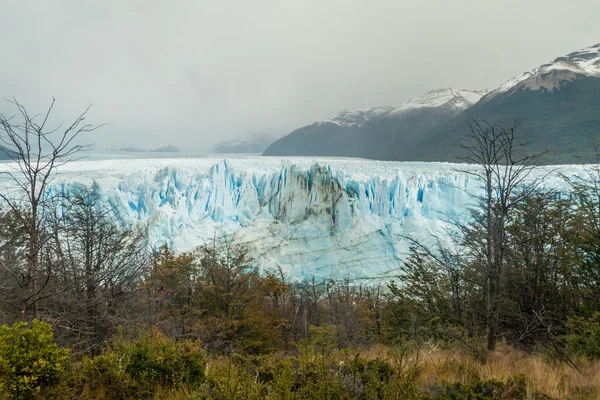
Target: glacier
323	218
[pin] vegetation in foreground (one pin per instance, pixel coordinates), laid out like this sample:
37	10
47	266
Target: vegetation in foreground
504	307
154	366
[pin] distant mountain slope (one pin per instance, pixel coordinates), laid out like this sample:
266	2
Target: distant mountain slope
255	143
166	149
558	102
6	154
369	133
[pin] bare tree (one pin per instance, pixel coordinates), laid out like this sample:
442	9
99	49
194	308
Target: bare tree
13	245
505	172
101	264
37	152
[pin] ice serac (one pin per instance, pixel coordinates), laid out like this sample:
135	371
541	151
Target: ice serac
337	218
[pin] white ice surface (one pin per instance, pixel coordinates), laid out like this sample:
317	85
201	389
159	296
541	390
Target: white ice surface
327	218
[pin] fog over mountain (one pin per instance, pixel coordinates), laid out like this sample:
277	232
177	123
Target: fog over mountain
370	133
253	143
194	73
555	105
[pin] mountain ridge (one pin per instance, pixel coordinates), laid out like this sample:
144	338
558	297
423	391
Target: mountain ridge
7	154
558	103
367	133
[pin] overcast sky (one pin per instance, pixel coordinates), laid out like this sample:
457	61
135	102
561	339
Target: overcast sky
195	72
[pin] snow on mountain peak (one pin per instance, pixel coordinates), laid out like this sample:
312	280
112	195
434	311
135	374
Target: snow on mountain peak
357	118
449	98
455	99
549	76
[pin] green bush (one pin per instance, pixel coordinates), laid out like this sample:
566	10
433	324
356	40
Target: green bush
310	375
583	337
227	379
155	359
30	362
104	376
515	388
140	368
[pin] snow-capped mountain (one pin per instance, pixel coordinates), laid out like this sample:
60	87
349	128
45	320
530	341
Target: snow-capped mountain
357	118
558	104
585	62
447	98
368	133
329	218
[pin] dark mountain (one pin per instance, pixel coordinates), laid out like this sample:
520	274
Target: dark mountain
6	154
370	133
558	104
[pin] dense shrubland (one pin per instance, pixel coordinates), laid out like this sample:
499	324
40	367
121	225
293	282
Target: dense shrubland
154	366
506	306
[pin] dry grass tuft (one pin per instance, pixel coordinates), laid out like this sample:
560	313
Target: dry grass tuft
434	365
558	380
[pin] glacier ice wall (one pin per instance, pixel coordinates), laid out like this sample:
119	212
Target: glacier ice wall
323	218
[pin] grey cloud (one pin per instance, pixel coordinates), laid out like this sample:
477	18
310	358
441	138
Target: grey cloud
195	72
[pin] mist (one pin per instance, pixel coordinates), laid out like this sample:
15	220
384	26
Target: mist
192	73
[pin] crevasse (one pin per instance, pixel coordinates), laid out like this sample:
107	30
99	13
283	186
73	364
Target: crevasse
334	218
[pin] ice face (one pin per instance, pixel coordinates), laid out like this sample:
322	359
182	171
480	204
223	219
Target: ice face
310	217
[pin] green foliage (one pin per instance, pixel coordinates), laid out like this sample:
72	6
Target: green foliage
515	388
139	368
154	366
155	359
13	258
583	336
30	360
321	338
172	287
105	376
315	375
220	297
229	380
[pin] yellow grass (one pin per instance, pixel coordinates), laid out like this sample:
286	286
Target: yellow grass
558	380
